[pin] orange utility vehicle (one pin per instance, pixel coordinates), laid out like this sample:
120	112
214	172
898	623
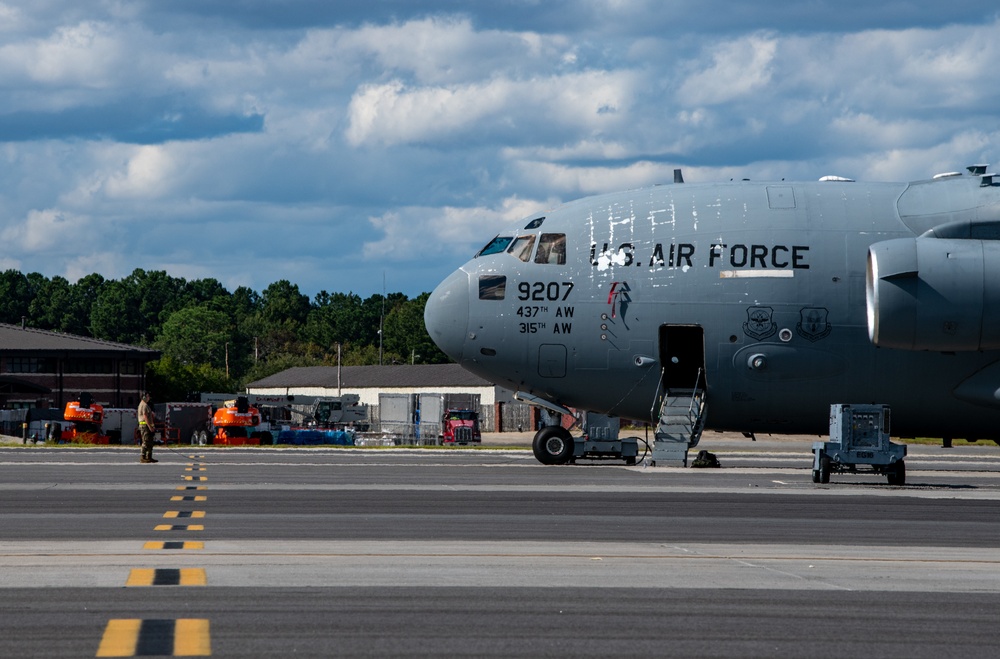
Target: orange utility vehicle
87	417
233	420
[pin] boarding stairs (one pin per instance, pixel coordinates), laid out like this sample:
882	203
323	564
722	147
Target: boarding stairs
682	419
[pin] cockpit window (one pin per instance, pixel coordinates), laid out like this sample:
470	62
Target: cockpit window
492	287
551	249
534	224
495	246
521	247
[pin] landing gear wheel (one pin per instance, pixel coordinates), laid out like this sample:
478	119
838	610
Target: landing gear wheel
896	473
553	445
824	469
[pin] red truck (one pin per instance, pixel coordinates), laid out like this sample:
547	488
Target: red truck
460	427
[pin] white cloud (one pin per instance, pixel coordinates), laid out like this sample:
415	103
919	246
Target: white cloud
585	149
147	174
882	133
10	17
392	113
581	181
449	50
738	68
83	55
50	231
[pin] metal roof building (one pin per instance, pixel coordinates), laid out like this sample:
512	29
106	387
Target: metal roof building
369	381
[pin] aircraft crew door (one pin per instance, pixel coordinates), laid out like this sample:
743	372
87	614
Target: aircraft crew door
682	355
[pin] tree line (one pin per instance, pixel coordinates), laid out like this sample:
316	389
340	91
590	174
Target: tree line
212	339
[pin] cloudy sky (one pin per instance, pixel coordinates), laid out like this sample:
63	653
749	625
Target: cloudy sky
331	142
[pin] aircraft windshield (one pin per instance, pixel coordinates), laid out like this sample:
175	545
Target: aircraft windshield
495	246
521	247
551	248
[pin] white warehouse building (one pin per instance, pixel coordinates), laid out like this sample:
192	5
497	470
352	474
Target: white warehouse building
369	382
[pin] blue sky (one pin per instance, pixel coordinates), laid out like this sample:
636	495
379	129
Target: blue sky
329	142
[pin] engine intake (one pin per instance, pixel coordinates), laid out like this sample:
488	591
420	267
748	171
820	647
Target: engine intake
934	294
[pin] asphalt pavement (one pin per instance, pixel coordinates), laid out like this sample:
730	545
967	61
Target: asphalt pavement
313	551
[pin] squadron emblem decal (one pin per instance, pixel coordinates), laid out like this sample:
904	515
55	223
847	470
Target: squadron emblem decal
813	324
759	323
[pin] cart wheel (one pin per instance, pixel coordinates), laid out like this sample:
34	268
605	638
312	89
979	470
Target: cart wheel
896	473
815	475
630	460
824	469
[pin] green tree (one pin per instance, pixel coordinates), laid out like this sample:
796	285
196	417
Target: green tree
116	315
170	380
374	310
336	318
282	304
131	310
51	304
64	307
85	293
16	293
197	335
159	296
274	327
406	335
200	291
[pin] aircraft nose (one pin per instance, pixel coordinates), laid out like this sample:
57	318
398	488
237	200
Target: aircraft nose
446	314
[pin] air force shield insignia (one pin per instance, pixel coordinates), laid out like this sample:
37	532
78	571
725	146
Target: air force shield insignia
759	323
813	324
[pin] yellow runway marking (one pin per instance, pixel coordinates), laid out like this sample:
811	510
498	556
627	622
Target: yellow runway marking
188	498
192	639
186	637
174	514
173	545
195	478
120	638
191	487
177	527
185	576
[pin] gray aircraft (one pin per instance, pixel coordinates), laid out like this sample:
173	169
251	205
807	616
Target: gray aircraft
755	305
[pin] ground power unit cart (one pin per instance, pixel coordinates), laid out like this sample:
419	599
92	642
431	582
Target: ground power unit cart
859	437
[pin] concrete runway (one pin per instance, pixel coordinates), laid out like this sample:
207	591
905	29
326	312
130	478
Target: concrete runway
342	552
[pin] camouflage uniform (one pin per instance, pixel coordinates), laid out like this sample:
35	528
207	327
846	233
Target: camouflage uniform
146	420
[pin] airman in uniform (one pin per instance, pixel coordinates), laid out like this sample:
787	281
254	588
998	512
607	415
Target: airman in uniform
146	422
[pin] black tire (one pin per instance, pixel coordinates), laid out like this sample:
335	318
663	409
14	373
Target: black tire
824	469
553	445
630	460
896	473
815	475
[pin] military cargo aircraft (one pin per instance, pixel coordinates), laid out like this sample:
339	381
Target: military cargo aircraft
757	305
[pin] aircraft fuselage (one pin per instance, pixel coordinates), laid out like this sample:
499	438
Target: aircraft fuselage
755	292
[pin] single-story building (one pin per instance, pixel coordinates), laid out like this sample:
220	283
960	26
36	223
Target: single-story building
497	408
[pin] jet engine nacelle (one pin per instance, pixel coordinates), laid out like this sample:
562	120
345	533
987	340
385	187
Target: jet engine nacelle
934	294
